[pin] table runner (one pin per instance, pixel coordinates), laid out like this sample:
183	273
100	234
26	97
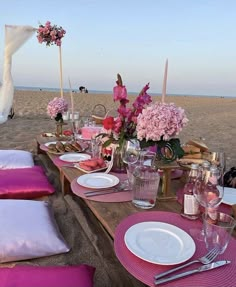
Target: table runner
114	197
145	271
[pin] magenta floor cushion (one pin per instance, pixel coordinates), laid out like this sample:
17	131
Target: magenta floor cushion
24	183
47	276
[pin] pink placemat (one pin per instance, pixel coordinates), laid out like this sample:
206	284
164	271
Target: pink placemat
112	197
145	271
222	207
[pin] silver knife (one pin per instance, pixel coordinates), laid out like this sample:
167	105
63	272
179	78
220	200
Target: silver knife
97	193
198	270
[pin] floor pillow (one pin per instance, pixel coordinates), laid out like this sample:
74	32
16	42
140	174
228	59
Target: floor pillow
45	276
24	183
15	159
28	230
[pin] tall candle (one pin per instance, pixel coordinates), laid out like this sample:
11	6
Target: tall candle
164	82
72	101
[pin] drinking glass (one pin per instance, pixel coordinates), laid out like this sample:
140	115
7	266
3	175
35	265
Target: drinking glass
209	192
219	159
218	230
130	153
75	126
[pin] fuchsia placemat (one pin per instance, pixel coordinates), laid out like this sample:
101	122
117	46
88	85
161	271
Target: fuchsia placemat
145	271
114	197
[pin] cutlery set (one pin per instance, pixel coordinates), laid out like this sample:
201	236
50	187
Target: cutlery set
205	260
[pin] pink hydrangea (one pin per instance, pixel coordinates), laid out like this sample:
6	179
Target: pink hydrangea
160	121
57	105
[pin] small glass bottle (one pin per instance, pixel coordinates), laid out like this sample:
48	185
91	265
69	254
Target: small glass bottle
190	207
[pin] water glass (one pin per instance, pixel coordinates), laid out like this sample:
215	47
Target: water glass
147	158
218	228
75	126
95	147
145	186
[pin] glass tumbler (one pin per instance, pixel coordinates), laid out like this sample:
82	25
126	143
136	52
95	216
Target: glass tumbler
145	186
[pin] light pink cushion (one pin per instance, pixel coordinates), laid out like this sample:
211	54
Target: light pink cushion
24	183
15	159
50	276
28	230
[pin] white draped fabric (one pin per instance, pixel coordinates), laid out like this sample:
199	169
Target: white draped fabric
15	37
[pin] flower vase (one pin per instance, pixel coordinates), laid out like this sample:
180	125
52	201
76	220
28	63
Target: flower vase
118	164
59	129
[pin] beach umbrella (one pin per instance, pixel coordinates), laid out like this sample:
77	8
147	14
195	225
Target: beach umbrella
15	37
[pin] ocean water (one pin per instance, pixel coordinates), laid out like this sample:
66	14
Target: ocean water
106	92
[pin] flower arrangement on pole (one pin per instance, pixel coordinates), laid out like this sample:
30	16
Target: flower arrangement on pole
52	34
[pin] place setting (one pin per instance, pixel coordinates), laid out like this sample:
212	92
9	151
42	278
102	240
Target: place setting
103	187
150	243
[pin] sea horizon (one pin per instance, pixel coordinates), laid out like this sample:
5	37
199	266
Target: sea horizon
24	88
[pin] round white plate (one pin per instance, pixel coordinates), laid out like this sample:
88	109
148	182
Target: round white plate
74	157
98	180
48	143
159	243
229	196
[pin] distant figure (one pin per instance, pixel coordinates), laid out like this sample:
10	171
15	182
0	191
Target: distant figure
83	89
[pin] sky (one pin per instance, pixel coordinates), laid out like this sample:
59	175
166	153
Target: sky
130	37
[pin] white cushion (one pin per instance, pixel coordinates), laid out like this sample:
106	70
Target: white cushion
15	159
28	230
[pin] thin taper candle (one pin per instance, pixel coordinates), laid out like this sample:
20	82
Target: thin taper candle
72	101
164	83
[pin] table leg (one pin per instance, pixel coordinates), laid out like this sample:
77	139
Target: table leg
166	194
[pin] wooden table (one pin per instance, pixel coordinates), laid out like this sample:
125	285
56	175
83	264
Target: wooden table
100	219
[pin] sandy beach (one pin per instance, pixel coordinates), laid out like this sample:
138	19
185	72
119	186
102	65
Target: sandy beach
210	118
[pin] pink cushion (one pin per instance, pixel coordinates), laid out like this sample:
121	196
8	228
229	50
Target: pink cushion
45	276
24	183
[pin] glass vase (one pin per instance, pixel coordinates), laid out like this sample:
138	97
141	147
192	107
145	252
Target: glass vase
118	164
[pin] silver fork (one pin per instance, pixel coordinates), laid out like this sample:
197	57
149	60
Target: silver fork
206	259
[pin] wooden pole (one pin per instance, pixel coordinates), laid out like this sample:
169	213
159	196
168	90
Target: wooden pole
61	82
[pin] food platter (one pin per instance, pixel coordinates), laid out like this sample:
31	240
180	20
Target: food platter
61	147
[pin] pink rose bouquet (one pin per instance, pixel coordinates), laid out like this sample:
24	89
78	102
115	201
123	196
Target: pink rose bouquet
50	34
56	108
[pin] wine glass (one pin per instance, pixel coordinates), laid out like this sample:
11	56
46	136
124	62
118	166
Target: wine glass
209	191
130	153
75	126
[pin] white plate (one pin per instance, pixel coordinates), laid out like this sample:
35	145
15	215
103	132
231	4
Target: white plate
229	196
159	243
74	157
98	180
48	143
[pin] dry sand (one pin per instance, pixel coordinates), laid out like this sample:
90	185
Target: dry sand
210	118
213	119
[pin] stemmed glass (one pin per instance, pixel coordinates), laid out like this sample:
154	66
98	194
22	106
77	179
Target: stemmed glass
75	126
209	191
130	154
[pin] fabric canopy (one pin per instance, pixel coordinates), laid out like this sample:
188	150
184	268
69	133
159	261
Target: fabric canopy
15	37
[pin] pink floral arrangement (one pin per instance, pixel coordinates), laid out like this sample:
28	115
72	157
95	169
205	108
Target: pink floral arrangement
161	121
56	108
50	34
124	125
